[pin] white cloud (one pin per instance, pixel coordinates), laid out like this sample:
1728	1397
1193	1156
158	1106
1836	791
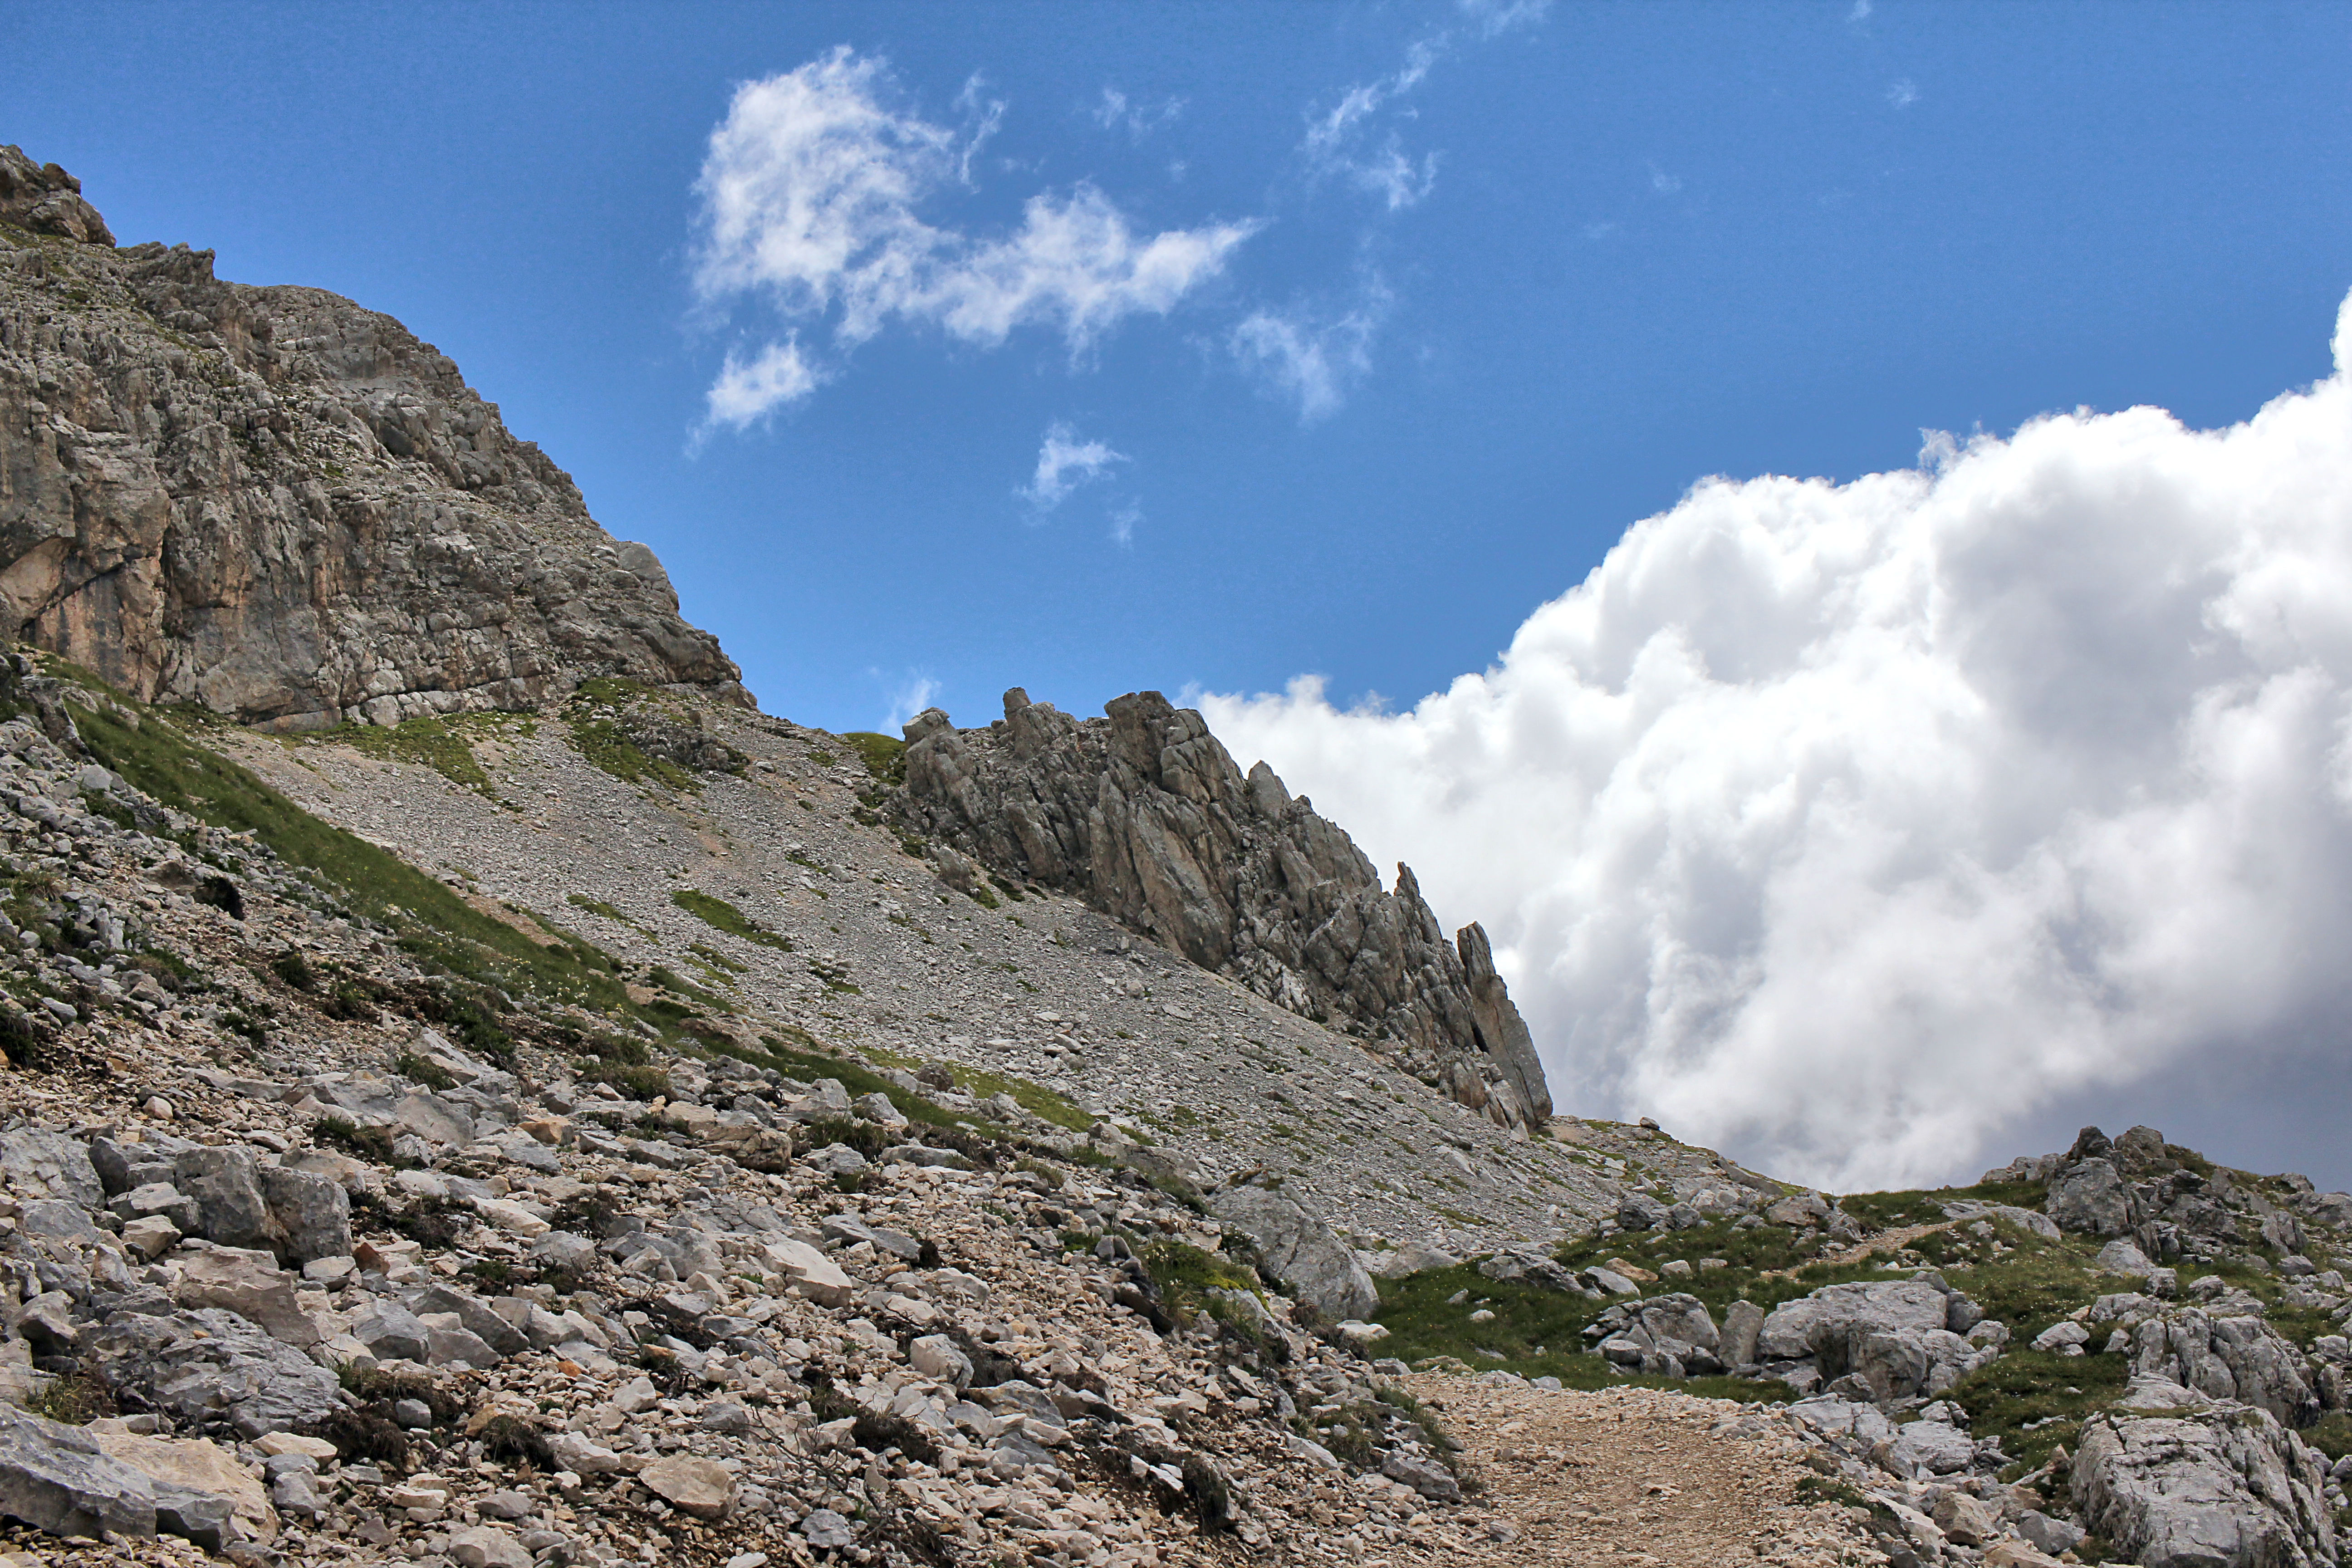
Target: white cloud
1860	12
1122	525
1334	144
812	196
1847	826
1904	93
1064	464
910	697
1666	184
1115	109
746	391
1314	359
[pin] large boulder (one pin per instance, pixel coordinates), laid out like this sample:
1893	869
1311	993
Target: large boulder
2092	1197
1666	1336
2230	1488
249	1283
2236	1356
225	1182
211	1367
42	1164
1891	1336
56	1478
311	1212
1300	1251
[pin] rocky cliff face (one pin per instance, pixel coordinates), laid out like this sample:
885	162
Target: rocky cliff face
1146	816
281	505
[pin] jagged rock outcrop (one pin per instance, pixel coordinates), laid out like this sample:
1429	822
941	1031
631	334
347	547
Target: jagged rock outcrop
2230	1489
283	506
1144	815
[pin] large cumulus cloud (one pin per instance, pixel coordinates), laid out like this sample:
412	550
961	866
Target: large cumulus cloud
1848	826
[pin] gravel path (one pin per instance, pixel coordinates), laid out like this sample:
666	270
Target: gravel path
1638	1475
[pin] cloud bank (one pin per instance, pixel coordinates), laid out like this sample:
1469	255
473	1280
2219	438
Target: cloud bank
1846	825
811	199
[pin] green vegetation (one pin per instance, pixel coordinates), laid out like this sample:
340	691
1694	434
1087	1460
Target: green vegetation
437	742
431	922
423	1070
598	736
1185	1275
723	916
2041	1390
885	756
1035	1099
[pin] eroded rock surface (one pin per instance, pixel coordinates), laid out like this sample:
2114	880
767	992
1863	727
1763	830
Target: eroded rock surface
1144	815
278	504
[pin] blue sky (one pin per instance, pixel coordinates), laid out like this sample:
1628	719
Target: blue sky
1584	258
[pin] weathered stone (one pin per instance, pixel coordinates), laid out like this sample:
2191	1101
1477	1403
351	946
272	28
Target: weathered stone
1144	815
2224	1489
2091	1198
249	1284
40	1164
702	1487
193	1465
1301	1251
486	1546
376	548
209	1367
937	1357
312	1214
391	1332
2239	1357
818	1275
1425	1475
56	1479
477	1316
226	1184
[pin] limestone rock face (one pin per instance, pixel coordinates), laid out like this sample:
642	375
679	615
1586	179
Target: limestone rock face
281	505
1144	815
2232	1487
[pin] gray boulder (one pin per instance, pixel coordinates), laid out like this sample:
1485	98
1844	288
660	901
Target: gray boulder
1889	1336
1667	1336
1300	1251
2238	1357
41	1165
312	1214
392	1332
55	1477
226	1184
2228	1488
476	1315
1742	1321
2091	1198
212	1367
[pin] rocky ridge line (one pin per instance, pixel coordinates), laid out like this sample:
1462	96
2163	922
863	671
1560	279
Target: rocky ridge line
284	507
1143	815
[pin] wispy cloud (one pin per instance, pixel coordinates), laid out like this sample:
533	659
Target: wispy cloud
1122	525
750	390
910	697
1310	359
1903	93
1351	140
812	196
1115	109
1066	463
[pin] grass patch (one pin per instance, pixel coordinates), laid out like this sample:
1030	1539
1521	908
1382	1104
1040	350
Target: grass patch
431	742
433	925
597	735
1185	1275
721	915
2050	1393
885	756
